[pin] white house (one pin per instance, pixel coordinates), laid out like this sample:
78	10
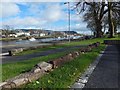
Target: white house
39	34
19	33
13	35
42	34
27	33
23	33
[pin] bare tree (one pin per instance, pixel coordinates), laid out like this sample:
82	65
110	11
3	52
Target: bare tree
6	29
95	12
113	14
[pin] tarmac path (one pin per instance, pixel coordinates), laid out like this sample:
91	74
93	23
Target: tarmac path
11	59
107	72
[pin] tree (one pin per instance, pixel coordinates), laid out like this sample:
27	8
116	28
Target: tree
113	15
6	29
95	12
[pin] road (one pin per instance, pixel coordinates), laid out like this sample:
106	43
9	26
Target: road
12	59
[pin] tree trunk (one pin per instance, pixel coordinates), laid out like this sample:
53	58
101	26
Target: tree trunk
115	27
98	25
98	29
99	33
111	25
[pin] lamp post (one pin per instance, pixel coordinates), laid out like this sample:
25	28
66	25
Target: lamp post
68	3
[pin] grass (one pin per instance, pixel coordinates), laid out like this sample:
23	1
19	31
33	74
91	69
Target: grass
67	44
61	77
117	38
7	39
38	50
16	68
10	70
66	75
84	42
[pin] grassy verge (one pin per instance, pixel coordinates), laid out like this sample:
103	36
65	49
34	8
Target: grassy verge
7	39
66	75
85	42
10	70
67	44
39	50
72	43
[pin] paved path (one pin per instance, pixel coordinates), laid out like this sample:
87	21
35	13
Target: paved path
11	59
107	72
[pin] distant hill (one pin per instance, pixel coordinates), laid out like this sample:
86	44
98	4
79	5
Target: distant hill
70	32
47	31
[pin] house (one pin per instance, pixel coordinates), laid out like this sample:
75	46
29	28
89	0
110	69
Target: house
37	33
13	35
42	34
20	33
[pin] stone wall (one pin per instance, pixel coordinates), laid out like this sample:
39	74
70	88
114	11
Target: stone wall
42	68
35	73
60	61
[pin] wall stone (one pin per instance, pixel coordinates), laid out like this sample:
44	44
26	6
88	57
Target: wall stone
14	51
38	71
56	62
44	66
35	76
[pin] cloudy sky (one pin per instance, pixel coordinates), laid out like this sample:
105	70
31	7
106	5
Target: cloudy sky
45	15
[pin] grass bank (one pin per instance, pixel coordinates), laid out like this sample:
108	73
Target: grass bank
66	75
86	42
10	70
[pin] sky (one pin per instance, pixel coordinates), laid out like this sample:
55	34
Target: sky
41	15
